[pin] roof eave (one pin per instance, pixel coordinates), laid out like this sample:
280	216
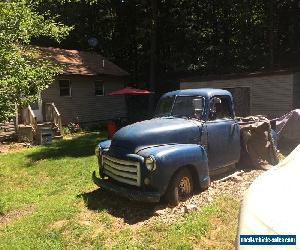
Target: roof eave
198	78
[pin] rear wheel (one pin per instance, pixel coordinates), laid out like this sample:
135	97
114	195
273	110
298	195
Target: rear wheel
180	188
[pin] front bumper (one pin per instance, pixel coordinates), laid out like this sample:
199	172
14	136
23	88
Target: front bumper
131	194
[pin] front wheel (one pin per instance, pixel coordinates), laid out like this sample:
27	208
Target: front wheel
180	188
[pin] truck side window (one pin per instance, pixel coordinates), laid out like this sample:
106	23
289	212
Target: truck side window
219	108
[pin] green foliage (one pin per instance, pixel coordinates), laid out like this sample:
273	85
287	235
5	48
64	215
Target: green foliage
23	71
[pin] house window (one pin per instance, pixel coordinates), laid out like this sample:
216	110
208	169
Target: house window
65	87
99	88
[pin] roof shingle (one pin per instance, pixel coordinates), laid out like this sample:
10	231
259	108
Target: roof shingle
76	62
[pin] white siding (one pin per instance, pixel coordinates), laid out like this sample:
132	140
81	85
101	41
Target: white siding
83	103
270	95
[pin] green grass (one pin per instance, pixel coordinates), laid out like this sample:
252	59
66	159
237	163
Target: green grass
50	202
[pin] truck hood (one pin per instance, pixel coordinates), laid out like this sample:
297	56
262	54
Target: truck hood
157	131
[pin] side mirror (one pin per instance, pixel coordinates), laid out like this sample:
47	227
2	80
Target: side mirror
198	107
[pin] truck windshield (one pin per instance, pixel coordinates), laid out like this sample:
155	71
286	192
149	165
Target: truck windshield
180	106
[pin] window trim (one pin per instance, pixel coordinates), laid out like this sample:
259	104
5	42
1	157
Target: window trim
103	89
70	87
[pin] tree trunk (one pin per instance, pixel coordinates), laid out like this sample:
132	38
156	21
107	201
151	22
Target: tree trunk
271	33
153	53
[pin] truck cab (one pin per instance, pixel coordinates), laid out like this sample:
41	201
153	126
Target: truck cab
193	135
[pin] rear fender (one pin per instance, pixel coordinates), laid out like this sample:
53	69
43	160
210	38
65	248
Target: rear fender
170	158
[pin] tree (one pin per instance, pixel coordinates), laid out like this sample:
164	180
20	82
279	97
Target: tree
161	40
23	71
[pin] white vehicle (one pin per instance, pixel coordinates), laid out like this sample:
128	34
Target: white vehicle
271	205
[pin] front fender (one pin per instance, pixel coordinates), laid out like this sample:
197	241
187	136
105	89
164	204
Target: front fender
169	158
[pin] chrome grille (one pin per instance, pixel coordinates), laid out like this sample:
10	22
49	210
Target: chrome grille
121	170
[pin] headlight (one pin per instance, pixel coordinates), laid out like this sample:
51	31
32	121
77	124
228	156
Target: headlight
98	151
150	163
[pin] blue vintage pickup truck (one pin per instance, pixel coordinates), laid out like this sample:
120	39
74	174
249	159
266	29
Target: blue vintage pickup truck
193	136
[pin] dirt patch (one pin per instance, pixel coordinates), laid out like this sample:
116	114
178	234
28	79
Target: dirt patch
12	146
15	215
234	186
137	214
57	225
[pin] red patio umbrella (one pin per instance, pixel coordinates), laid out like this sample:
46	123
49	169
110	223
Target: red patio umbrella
111	126
130	91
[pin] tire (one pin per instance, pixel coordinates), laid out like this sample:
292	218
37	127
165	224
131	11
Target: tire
180	187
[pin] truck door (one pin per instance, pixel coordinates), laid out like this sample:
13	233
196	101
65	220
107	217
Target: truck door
223	133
